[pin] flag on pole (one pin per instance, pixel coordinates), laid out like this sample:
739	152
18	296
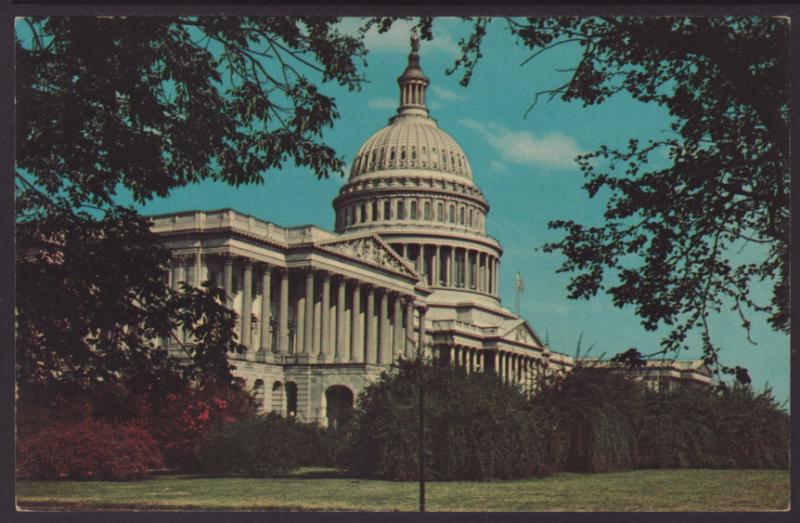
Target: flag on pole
518	283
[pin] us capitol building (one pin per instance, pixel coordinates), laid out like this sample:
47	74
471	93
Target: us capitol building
409	265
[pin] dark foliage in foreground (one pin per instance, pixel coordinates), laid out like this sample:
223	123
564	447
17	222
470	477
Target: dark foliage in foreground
88	449
146	105
724	428
590	420
266	446
475	428
602	421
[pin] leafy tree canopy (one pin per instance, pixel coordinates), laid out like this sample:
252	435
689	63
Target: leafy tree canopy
148	104
670	238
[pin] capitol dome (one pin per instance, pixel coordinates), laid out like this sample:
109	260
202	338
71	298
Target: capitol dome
412	185
411	142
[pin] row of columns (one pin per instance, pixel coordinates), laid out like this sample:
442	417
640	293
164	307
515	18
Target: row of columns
378	333
392	209
454	267
510	367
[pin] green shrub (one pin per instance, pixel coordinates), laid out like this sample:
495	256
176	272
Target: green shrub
591	420
475	427
266	446
714	428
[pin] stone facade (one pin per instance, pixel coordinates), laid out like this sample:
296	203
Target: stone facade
409	267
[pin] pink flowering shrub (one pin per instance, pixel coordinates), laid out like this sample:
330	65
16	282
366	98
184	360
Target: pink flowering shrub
180	422
88	449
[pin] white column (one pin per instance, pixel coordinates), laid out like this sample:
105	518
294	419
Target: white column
198	268
247	303
340	351
409	329
308	346
397	325
371	349
266	292
283	314
384	347
227	281
436	264
356	348
421	331
325	338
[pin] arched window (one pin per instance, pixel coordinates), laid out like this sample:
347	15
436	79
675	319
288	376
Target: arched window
452	214
413	153
374	211
401	215
413	210
440	211
461	216
363	212
291	399
339	400
426	211
387	210
434	157
469	221
402	153
391	155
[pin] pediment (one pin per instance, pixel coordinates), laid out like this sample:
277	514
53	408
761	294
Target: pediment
521	332
372	250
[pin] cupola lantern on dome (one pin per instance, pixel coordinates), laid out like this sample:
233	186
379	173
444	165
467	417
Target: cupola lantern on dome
413	84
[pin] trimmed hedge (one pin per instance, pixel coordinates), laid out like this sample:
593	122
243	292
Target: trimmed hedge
475	428
88	450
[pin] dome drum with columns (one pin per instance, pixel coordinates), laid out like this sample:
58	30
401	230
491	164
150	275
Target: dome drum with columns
410	268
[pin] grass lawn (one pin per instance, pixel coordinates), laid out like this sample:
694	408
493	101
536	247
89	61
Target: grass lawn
325	489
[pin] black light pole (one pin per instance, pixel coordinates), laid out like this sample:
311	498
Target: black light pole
421	363
421	437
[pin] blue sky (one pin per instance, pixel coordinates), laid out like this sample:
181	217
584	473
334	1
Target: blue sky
525	167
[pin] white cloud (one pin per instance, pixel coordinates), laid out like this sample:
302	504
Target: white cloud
553	150
383	103
497	166
446	94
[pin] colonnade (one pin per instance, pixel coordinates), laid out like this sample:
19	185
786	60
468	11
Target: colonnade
510	367
411	209
307	311
453	267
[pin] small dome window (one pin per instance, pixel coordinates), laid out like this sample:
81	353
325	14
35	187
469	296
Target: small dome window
400	210
402	153
413	153
413	210
391	155
387	209
452	214
440	211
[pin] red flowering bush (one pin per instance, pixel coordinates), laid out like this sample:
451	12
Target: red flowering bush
88	449
180	422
